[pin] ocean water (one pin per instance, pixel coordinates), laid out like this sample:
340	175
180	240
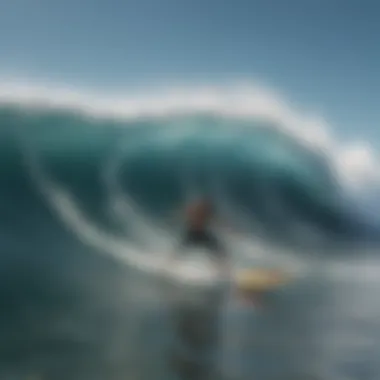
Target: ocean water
91	207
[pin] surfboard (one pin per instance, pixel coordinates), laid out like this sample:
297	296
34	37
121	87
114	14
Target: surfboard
196	269
260	280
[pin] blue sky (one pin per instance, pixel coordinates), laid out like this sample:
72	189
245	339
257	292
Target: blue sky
323	54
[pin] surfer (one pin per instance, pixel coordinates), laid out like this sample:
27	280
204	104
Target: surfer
197	327
198	233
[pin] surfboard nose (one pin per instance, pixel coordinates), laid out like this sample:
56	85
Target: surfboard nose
253	285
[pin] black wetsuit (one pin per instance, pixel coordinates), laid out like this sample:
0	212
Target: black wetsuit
197	327
203	238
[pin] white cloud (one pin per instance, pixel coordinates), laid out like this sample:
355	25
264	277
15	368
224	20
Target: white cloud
355	164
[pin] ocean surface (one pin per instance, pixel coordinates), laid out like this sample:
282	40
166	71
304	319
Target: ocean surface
91	206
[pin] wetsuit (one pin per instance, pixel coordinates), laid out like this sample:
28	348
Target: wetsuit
197	327
203	238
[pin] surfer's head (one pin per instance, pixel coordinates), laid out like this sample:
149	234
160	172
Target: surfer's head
200	212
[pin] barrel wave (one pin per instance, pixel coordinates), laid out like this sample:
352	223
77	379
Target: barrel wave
265	182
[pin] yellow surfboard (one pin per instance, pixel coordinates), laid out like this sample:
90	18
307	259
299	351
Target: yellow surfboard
260	280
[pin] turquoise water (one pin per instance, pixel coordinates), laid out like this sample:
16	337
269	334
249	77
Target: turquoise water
89	205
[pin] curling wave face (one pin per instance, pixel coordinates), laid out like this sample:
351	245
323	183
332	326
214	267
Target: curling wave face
264	181
116	174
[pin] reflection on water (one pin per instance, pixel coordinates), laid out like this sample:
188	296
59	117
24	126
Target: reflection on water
112	324
312	329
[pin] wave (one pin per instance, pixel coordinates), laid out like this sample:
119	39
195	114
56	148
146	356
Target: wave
116	173
85	179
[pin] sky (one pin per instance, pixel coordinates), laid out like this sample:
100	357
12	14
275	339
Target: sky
322	54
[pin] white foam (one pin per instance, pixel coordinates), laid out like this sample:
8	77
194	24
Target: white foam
194	269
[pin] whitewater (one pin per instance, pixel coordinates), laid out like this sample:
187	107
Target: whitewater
91	196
